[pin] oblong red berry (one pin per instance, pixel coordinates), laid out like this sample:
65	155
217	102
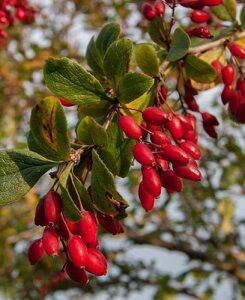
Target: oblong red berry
235	101
161	163
130	127
146	199
189	171
52	206
51	242
191	3
199	16
191	148
110	224
175	154
210	130
152	182
160	138
143	154
237	50
228	74
154	115
175	128
211	2
149	11
227	93
191	102
66	103
240	115
40	219
36	251
241	86
88	229
77	251
209	119
76	274
171	181
159	7
216	64
96	262
185	121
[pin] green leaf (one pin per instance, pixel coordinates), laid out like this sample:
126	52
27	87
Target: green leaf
199	70
226	11
67	79
179	46
90	132
69	207
119	148
108	34
102	183
19	172
147	59
242	17
94	58
117	60
155	30
49	134
94	110
134	85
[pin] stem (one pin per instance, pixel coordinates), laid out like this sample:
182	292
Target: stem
66	227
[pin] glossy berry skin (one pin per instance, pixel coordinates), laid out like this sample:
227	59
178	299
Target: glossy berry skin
241	86
191	102
130	127
189	171
175	154
110	224
152	182
237	50
191	148
66	103
149	11
36	251
88	229
146	199
159	8
201	32
209	119
143	154
190	3
228	74
162	164
190	135
76	274
52	206
216	64
175	128
77	251
171	181
211	2
227	93
51	242
210	130
199	16
96	262
154	115
40	219
160	138
235	101
186	122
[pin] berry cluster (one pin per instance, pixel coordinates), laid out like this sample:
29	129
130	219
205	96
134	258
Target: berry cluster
167	150
78	240
233	78
10	10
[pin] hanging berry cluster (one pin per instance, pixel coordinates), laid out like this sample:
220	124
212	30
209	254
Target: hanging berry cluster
165	149
12	10
77	240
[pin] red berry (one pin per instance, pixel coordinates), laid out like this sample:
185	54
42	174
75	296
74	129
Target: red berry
110	224
227	93
241	86
160	138
216	64
143	154
175	128
36	251
201	32
190	135
189	171
51	242
240	115
164	92
186	123
191	102
199	16
66	103
20	13
211	2
77	251
146	199
162	163
88	229
159	7
209	119
191	3
237	50
210	130
77	274
130	127
154	115
171	181
149	11
52	206
175	154
153	127
152	182
191	148
228	74
235	102
96	262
